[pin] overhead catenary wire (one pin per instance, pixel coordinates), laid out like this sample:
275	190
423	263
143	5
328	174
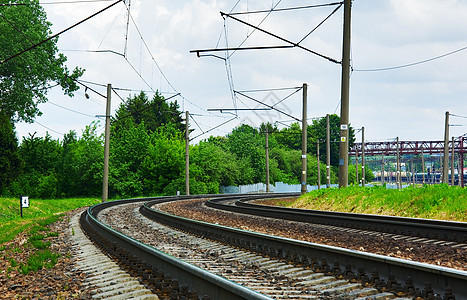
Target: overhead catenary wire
156	63
109	28
191	116
69	109
61	133
16	28
286	8
287	97
411	64
255	28
228	67
321	23
282	39
458	116
13	4
72	2
114	89
123	88
267	105
91	89
227	49
211	129
149	50
271	90
59	33
141	110
296	90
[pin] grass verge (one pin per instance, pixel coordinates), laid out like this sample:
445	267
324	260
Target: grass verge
430	201
35	254
39	214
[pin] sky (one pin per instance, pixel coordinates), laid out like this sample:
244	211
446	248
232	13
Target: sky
150	51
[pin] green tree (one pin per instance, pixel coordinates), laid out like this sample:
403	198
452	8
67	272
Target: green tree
248	145
209	163
80	171
353	178
25	79
153	113
9	154
128	149
40	158
291	137
317	130
68	171
163	168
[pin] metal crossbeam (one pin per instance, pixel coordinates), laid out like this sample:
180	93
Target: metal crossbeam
409	147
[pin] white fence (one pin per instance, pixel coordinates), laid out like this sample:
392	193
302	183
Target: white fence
278	187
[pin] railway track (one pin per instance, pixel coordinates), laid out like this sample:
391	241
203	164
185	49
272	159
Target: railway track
281	268
444	231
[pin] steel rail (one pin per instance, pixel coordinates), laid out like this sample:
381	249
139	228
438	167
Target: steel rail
442	279
426	228
204	282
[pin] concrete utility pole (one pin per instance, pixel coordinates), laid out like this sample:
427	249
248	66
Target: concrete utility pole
382	169
441	158
345	83
319	171
423	167
304	137
267	160
460	165
328	153
105	178
446	150
452	162
363	156
187	153
398	167
356	165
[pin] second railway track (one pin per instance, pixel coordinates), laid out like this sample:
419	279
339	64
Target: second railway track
273	267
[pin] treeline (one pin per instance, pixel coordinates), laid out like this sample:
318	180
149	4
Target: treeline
147	156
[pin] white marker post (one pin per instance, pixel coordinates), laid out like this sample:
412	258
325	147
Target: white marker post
24	202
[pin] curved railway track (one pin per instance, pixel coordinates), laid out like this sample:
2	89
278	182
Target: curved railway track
290	263
445	231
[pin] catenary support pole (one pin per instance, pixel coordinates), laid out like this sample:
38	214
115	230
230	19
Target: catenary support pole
459	170
382	169
304	137
398	167
446	150
452	162
105	178
441	161
328	153
356	165
461	161
187	153
363	156
423	167
319	169
267	161
345	83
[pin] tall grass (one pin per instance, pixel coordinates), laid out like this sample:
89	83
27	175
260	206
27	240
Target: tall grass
430	201
39	213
